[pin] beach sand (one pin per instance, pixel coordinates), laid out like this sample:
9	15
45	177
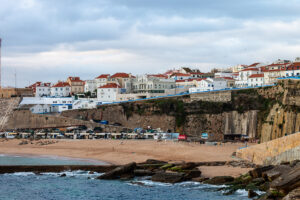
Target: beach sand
125	151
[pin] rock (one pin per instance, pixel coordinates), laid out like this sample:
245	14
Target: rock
294	163
288	181
219	180
126	176
195	173
252	194
188	166
149	166
119	171
63	175
167	166
152	161
91	172
293	195
200	179
257	172
275	172
142	172
168	177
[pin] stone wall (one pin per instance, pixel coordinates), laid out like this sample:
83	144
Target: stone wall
24	119
287	156
15	92
220	96
260	153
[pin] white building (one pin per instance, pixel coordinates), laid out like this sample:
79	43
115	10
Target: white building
42	105
292	70
209	84
108	92
61	89
242	80
90	86
43	89
256	80
152	84
180	76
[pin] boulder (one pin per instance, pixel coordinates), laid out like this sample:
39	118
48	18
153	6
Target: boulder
252	194
219	180
288	180
257	172
195	173
142	172
152	161
200	179
168	177
275	172
63	175
119	171
293	195
188	166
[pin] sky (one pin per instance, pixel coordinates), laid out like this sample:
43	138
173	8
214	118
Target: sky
49	40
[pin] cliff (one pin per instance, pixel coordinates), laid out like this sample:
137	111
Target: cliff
265	113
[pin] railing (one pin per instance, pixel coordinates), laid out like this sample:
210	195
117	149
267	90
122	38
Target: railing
186	93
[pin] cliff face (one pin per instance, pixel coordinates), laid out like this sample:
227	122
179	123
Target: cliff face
266	113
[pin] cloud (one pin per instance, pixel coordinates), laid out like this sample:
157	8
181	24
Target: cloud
50	40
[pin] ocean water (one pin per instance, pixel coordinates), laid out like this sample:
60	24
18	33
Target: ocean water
82	185
45	160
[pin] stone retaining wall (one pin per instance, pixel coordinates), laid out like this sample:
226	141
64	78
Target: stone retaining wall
258	154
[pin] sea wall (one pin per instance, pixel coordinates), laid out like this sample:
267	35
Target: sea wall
258	154
287	156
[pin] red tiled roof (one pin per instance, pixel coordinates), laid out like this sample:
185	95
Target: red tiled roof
250	69
227	78
120	75
62	84
294	66
110	85
158	75
254	64
256	76
103	76
75	79
180	74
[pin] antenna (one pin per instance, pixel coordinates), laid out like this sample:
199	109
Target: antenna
15	78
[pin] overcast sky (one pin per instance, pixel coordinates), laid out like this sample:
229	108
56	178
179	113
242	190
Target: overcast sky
49	40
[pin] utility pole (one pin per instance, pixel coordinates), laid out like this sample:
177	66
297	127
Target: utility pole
15	78
0	64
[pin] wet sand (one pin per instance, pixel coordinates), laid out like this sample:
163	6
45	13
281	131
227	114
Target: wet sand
125	151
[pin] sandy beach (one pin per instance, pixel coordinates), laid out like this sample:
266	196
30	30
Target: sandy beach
125	151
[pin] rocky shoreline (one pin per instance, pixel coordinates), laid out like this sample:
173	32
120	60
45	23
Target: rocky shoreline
276	182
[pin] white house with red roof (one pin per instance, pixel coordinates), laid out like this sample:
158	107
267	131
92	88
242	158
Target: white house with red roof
243	77
292	70
180	76
108	92
256	80
43	90
123	79
274	71
209	84
61	89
